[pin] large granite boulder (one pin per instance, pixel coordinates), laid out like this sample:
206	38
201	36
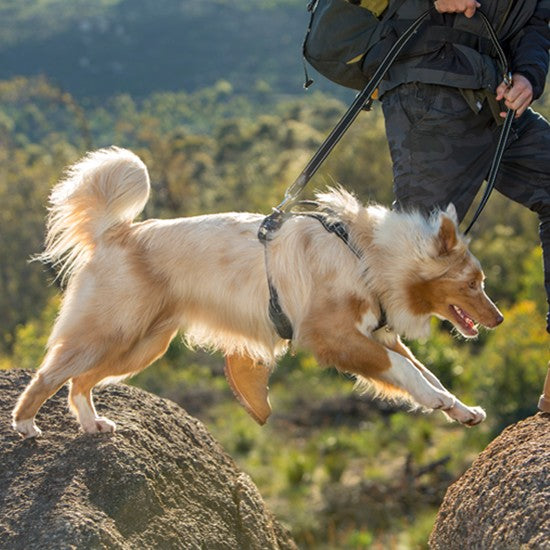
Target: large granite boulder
503	500
160	481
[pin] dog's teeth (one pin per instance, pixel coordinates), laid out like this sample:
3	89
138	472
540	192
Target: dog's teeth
464	317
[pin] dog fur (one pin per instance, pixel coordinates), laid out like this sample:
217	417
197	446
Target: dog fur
132	286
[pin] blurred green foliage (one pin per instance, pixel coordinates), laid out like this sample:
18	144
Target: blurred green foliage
341	470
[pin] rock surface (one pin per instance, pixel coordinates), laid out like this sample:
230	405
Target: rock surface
160	481
503	500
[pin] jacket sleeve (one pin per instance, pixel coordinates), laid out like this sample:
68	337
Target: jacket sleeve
529	50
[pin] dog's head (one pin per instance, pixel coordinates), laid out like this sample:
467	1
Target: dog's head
450	282
417	267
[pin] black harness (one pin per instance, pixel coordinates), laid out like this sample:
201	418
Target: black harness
272	223
278	317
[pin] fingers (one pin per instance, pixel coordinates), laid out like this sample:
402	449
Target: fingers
471	10
467	7
518	102
519	110
501	90
517	97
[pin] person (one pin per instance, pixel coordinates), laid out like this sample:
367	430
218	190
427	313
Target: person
443	104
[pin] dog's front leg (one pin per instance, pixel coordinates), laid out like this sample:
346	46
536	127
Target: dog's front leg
459	411
336	341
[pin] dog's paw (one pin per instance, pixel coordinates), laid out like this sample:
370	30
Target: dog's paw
443	401
477	416
99	424
27	428
469	416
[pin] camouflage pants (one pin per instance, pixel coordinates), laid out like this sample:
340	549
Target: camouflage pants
442	151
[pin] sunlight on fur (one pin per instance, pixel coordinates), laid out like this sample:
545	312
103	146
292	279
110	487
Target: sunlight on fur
131	287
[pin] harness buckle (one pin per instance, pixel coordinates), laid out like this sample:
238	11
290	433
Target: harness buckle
270	224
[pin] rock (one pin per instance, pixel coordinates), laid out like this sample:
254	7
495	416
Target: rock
503	500
160	481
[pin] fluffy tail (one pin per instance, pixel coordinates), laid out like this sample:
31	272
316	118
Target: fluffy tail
105	188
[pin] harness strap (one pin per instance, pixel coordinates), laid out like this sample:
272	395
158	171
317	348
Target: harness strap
278	317
440	34
333	226
340	229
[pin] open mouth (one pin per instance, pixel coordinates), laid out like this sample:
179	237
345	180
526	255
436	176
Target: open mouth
464	322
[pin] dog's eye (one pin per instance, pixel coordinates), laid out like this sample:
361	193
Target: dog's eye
472	285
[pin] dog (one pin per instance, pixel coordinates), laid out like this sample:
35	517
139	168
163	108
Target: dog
131	286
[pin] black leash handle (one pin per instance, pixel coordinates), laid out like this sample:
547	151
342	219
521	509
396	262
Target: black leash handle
506	127
363	98
491	178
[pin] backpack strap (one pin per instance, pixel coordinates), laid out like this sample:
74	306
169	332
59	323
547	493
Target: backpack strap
439	34
385	22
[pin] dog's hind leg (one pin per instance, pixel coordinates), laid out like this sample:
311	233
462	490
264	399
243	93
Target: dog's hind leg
82	404
130	362
30	401
58	366
248	379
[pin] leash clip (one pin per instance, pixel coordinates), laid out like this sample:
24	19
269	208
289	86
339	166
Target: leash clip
507	79
270	224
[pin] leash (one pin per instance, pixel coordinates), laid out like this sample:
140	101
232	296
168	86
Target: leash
506	127
491	178
363	100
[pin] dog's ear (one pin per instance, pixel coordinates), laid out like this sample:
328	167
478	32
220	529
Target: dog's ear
446	237
451	212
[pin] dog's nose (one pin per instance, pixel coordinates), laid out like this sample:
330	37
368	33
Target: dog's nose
498	319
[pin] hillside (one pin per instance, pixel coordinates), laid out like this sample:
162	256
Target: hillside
99	48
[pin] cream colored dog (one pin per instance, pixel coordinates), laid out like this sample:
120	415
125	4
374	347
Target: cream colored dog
133	286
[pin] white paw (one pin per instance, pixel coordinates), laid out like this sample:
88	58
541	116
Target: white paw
99	424
443	401
469	416
27	428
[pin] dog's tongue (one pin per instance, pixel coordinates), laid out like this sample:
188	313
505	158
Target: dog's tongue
466	321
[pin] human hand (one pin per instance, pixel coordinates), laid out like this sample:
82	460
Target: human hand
518	96
467	7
